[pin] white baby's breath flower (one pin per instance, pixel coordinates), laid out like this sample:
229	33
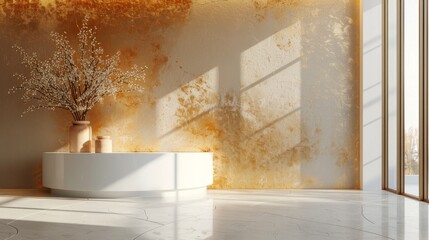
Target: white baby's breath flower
74	80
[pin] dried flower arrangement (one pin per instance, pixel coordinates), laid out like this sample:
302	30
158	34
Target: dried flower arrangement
74	81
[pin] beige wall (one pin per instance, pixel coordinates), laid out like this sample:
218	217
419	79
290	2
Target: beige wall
271	87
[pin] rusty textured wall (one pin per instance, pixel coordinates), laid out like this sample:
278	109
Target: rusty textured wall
270	86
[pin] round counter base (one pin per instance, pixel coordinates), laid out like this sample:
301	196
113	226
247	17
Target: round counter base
177	195
140	174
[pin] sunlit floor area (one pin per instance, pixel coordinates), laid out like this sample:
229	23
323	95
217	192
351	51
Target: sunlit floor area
264	214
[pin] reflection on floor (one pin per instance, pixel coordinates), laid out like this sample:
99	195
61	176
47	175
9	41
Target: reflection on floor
268	214
412	184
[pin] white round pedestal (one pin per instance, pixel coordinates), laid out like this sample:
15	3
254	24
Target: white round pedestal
107	175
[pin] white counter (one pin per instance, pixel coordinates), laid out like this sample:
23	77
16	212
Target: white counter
158	174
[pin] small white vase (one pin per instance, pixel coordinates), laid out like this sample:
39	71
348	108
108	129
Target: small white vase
80	137
103	144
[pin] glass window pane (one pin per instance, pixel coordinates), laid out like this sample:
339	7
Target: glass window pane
411	96
392	90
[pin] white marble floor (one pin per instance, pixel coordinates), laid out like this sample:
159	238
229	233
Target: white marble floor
267	214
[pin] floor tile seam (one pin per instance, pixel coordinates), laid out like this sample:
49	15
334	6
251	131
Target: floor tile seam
330	224
13	227
41	211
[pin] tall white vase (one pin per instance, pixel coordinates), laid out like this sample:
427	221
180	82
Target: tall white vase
80	137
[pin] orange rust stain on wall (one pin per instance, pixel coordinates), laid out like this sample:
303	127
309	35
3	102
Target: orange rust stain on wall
244	156
23	15
159	60
312	181
357	160
131	101
128	56
282	45
265	4
193	97
281	6
343	157
27	14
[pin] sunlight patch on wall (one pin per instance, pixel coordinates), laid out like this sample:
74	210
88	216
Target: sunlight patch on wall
186	104
271	55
